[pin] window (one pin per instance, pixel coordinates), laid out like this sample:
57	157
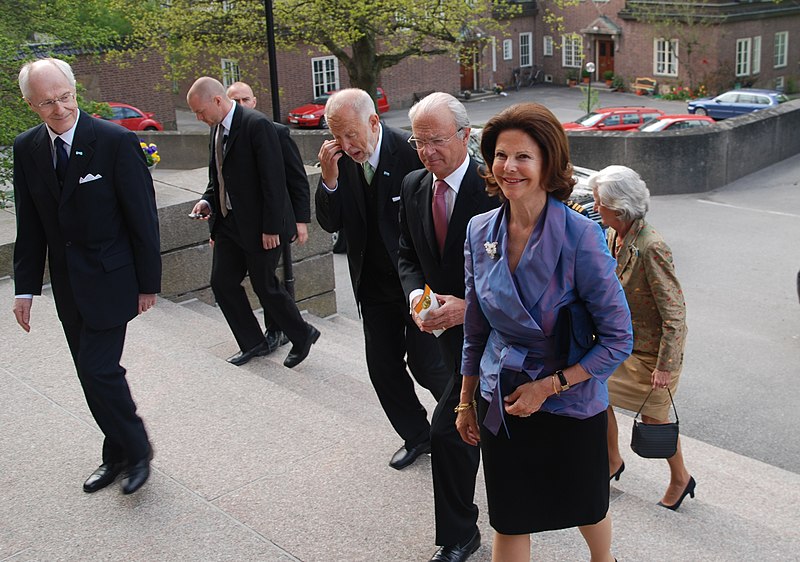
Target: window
781	48
756	55
325	73
571	50
525	49
508	49
779	83
743	54
665	53
230	71
547	49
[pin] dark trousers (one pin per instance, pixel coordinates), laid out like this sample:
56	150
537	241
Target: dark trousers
390	336
454	463
231	263
96	354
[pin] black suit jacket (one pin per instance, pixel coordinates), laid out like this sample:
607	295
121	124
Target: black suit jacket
345	209
296	177
255	181
100	236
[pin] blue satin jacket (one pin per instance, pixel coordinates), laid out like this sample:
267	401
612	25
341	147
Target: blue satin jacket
510	318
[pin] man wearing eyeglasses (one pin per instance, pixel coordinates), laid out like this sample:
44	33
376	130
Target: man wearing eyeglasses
296	186
358	194
85	200
435	206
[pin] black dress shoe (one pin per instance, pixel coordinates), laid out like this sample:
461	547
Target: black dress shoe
275	339
244	356
136	474
300	352
105	474
689	489
458	552
405	456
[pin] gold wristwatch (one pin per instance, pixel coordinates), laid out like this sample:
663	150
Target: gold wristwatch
562	380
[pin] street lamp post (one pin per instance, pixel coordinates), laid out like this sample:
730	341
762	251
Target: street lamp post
590	70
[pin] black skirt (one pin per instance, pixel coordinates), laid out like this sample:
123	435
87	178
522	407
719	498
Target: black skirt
552	473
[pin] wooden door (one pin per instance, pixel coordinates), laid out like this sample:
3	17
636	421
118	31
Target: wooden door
605	57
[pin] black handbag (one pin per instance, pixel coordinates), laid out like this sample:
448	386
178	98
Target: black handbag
655	441
574	333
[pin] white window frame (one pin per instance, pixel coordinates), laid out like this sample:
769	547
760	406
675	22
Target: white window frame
665	57
324	74
781	52
508	49
571	51
780	83
525	49
755	67
230	71
547	46
744	50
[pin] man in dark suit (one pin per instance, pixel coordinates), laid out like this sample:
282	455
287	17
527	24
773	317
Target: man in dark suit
250	214
432	252
296	185
358	195
85	200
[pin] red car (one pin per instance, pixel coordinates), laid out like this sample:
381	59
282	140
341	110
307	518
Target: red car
677	122
133	118
313	114
614	119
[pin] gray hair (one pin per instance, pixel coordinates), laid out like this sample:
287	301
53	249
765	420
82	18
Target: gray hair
622	190
354	98
435	102
25	73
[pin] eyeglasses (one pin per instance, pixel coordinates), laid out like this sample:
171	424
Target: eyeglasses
419	144
63	100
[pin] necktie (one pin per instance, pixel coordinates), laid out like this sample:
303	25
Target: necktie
62	159
440	187
219	144
369	171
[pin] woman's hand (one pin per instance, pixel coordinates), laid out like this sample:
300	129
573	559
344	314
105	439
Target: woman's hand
527	398
467	426
660	379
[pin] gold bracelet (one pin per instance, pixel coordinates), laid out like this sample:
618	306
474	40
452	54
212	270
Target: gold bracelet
466	406
557	392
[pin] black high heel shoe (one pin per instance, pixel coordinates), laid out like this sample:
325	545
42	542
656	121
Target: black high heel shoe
688	490
618	473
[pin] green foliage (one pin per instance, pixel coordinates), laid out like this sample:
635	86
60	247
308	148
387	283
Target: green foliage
608	75
589	100
367	36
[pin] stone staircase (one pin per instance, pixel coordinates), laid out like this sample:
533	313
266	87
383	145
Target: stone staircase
266	463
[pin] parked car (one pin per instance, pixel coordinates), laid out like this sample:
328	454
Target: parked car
677	122
133	118
313	114
614	119
736	102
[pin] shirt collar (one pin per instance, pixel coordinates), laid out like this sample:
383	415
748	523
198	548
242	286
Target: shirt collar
454	180
67	137
227	121
375	159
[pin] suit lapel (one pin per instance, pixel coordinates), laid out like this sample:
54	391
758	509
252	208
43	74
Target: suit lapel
80	154
382	180
464	208
43	157
236	126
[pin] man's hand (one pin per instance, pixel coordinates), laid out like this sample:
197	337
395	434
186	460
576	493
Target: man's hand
22	312
414	316
146	302
329	154
302	232
201	210
270	241
450	313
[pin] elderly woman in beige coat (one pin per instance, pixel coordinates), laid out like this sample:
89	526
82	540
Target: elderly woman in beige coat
658	313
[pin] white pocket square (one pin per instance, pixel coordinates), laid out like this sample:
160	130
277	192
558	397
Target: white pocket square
89	177
395	199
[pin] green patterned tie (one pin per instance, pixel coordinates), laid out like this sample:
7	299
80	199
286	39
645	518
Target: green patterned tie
369	171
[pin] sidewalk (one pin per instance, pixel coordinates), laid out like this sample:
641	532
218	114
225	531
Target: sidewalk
263	463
